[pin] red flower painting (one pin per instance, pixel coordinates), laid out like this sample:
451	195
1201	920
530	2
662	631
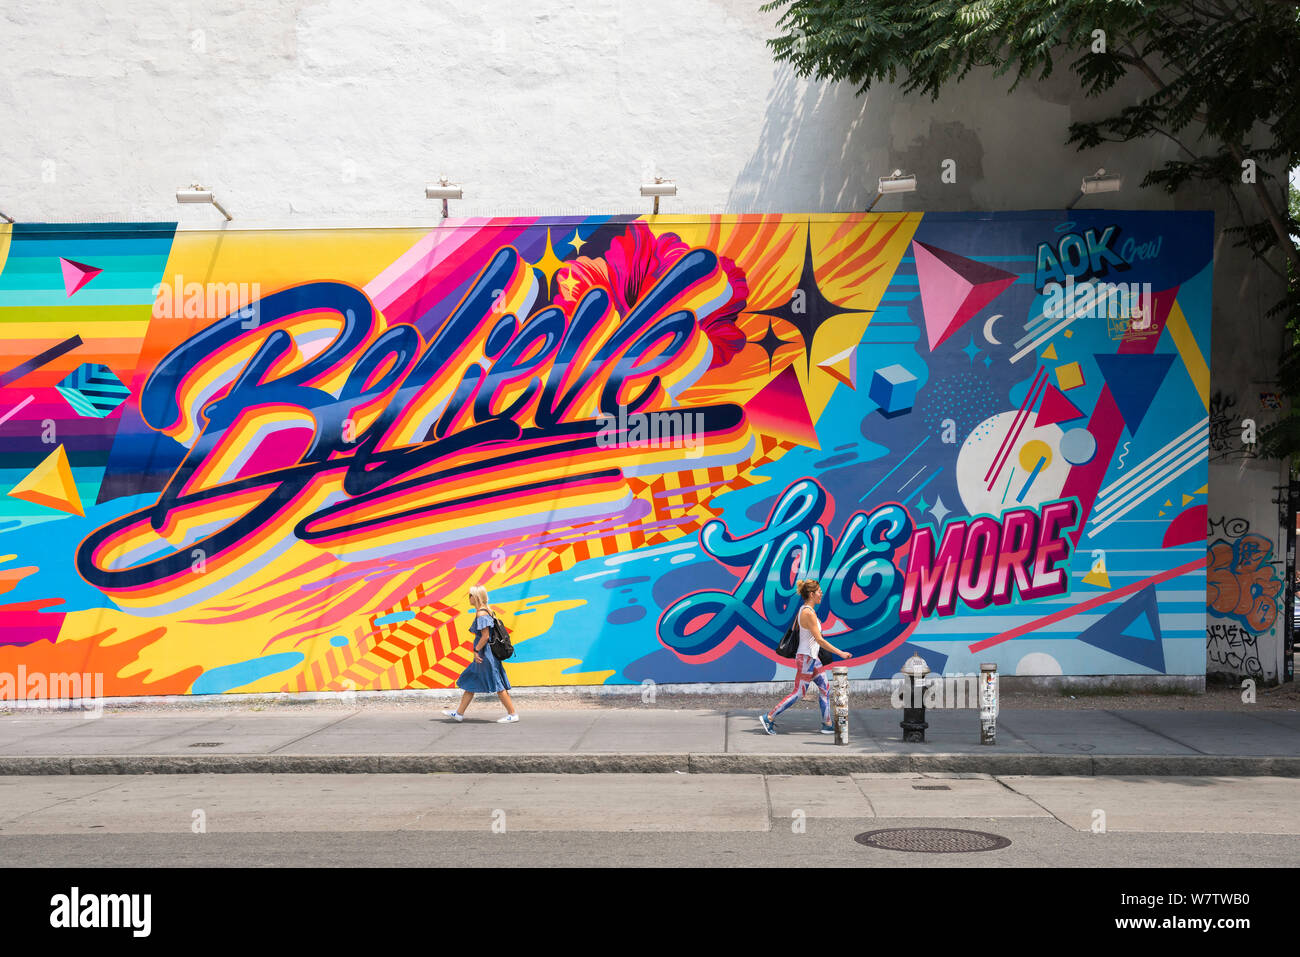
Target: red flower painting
629	270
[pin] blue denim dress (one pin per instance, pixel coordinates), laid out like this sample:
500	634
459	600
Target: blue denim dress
489	675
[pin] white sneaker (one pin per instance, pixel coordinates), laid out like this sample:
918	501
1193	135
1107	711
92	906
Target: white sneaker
453	713
508	719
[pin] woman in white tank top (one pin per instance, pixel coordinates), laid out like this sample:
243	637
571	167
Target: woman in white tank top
807	663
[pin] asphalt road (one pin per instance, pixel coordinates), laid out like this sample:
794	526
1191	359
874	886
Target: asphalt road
825	843
629	820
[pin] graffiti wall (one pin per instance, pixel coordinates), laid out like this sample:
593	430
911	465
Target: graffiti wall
1246	572
1245	589
276	460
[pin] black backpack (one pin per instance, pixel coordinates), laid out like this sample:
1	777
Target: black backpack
499	641
788	647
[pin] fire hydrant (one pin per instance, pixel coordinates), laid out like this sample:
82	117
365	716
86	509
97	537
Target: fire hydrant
914	724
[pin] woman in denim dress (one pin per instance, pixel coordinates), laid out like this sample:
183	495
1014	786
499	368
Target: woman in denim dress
485	675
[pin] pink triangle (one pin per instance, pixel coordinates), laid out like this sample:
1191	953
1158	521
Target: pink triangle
953	288
1056	408
779	409
76	275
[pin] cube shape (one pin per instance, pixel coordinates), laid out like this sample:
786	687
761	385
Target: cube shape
893	388
93	390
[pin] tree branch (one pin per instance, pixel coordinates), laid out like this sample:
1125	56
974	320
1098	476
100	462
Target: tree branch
1289	248
1270	211
1151	75
1246	227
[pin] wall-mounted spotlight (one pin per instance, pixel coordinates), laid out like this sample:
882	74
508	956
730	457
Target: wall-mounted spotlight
1098	182
895	182
444	191
197	194
660	187
6	217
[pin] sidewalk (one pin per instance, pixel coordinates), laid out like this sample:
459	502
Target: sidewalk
650	739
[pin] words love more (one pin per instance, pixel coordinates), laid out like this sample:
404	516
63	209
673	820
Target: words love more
879	579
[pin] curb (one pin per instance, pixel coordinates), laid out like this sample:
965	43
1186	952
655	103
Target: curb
587	763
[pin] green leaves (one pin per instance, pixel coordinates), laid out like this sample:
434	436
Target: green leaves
1222	81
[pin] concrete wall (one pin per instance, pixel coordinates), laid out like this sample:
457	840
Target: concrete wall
322	113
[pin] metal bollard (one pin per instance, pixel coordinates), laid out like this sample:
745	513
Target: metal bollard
840	701
988	703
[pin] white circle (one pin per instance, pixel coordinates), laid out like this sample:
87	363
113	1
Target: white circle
1038	663
985	443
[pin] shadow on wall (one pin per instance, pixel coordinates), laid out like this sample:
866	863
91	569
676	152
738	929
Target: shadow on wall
822	148
811	151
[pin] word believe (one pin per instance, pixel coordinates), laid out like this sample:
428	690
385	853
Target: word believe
398	406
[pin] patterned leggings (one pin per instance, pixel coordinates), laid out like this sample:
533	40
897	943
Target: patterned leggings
809	669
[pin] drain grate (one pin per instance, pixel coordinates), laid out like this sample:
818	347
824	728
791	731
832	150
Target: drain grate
206	744
932	840
930	787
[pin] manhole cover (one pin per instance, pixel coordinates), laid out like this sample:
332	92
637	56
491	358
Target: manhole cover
932	840
206	744
930	787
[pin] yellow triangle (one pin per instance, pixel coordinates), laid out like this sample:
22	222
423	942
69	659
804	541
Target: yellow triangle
1186	499
51	484
1168	504
1069	333
1160	514
1098	578
843	367
1203	490
1050	352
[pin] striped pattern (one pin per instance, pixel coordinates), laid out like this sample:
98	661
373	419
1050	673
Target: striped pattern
667	508
93	390
427	651
430	650
1149	476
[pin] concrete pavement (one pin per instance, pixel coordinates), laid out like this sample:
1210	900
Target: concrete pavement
638	819
650	739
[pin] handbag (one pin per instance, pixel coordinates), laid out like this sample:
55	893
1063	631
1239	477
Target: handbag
824	655
499	641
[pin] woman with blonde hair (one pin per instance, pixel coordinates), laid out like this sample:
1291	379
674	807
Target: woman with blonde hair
485	675
807	663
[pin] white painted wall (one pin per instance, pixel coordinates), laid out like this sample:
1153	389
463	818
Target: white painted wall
320	113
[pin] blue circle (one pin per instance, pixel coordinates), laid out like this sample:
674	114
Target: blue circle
1078	446
338	641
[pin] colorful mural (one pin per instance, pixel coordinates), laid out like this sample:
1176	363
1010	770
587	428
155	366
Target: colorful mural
274	460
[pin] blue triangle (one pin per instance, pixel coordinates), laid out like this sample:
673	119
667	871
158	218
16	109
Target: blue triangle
1140	629
892	663
1131	631
1134	381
